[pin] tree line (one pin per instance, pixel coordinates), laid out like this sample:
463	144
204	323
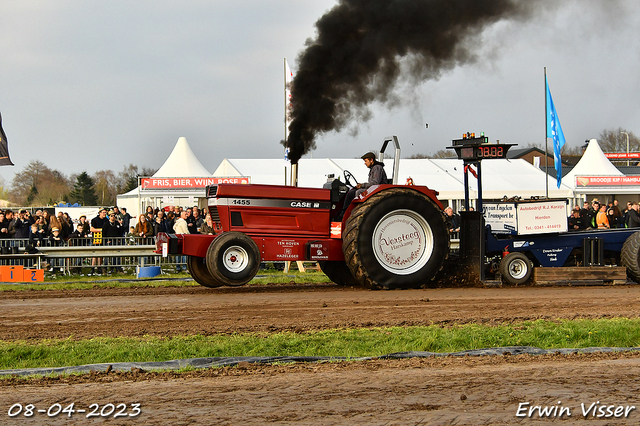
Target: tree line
610	140
38	185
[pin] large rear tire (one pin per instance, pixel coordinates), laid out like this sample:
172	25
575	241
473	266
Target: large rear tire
197	267
630	256
396	239
233	258
516	268
338	272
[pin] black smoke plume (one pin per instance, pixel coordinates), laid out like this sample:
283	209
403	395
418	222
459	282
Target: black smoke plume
362	46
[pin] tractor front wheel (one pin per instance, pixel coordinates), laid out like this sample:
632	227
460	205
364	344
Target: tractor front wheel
233	258
197	267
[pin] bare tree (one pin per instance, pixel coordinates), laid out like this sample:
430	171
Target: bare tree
614	140
37	184
106	186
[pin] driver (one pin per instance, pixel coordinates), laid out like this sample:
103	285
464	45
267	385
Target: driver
377	176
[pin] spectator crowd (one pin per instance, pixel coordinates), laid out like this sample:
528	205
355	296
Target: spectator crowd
44	229
596	215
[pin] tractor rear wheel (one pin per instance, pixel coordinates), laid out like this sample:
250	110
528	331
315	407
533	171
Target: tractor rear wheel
233	258
395	239
630	256
516	268
197	267
338	272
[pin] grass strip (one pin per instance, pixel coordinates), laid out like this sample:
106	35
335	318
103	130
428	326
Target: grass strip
76	282
620	332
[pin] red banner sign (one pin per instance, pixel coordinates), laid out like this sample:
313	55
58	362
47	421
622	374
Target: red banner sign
583	181
622	155
188	183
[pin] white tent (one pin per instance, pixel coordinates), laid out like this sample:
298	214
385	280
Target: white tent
181	163
592	163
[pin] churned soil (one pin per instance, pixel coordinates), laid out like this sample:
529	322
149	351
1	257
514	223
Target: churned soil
450	390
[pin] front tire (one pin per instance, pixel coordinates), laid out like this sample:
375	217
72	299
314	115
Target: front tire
395	239
516	268
197	267
233	258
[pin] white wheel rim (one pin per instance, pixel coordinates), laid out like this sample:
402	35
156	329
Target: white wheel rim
518	268
402	242
235	259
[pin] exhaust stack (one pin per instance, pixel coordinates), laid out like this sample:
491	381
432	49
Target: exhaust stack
294	174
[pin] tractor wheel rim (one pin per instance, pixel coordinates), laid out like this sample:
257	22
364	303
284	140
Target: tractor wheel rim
235	259
518	269
403	242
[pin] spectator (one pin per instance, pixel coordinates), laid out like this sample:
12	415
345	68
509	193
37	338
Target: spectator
614	216
633	220
97	224
625	215
86	228
169	222
65	227
126	219
575	221
54	222
143	228
21	225
199	220
36	238
601	218
46	216
11	231
453	220
207	227
131	236
42	227
159	225
112	230
191	222
4	226
55	239
76	237
112	233
180	227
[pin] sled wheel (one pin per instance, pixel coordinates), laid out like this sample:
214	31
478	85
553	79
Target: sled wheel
630	256
516	268
395	239
197	267
338	272
233	258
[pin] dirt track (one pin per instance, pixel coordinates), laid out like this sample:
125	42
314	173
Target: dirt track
442	391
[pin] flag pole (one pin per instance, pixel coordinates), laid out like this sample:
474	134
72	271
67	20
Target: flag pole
546	154
284	65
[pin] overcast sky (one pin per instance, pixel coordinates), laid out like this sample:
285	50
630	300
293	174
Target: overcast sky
97	85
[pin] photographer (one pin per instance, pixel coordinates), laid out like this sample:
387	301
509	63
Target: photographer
21	225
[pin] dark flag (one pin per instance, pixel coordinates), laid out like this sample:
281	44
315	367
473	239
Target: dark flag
4	147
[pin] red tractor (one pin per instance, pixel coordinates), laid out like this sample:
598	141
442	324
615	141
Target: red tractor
392	236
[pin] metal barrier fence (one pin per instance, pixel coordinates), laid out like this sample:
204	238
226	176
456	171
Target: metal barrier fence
84	255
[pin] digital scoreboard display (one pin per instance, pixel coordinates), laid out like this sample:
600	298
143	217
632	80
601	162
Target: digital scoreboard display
482	151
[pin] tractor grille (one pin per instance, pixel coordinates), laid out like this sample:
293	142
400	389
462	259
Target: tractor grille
212	191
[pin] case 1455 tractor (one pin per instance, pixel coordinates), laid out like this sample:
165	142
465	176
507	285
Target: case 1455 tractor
392	236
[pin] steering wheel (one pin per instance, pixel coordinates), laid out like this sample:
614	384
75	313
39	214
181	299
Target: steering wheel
347	178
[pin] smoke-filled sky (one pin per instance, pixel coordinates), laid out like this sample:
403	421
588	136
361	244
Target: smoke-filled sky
98	85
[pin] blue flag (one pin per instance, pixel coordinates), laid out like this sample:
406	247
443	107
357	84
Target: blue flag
554	131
